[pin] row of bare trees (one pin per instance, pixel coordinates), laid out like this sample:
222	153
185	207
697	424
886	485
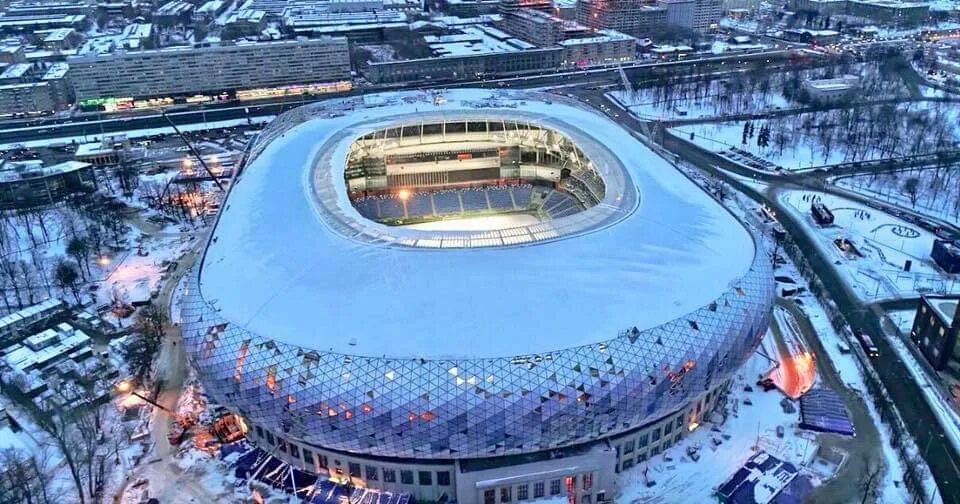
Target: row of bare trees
757	88
82	229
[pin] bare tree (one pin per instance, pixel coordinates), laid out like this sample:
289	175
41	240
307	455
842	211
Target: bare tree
65	276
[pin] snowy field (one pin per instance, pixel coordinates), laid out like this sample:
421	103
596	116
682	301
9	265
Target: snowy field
885	243
646	104
810	140
477	223
937	190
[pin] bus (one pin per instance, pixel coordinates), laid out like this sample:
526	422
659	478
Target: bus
867	343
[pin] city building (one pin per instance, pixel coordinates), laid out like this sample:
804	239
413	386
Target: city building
208	11
28	24
28	184
538	27
466	371
935	330
26	98
48	7
60	39
706	14
889	12
602	47
107	152
217	69
633	17
173	13
58	369
831	90
12	326
244	22
947	255
681	13
808	36
469	8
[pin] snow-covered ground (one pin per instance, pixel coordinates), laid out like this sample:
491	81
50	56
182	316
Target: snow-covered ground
885	243
140	133
937	191
646	105
820	138
137	277
947	415
903	319
684	480
477	223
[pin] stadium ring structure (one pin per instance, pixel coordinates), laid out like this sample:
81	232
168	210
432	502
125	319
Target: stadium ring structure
504	364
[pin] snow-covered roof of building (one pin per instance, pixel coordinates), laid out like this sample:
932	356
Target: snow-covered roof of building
15	71
655	249
11	172
44	347
945	308
57	70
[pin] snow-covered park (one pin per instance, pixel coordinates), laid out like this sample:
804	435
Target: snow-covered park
824	138
934	191
882	244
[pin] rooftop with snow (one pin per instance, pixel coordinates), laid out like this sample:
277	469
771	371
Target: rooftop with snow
327	278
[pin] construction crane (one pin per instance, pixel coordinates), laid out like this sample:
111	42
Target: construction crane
193	150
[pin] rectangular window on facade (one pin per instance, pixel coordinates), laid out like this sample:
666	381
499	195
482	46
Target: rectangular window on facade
294	451
259	432
643	441
308	456
443	478
505	494
354	470
270	438
371	473
425	478
389	476
489	496
656	434
282	445
587	480
522	492
322	461
538	490
628	447
406	477
555	487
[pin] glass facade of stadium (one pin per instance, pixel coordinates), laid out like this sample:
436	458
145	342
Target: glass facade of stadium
508	428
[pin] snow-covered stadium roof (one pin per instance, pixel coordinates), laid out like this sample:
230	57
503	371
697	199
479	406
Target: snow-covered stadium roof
283	264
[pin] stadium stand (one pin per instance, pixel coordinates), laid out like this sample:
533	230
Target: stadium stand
474	200
464	201
500	198
446	202
420	204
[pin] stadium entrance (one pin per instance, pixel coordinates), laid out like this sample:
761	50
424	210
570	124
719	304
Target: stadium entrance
469	176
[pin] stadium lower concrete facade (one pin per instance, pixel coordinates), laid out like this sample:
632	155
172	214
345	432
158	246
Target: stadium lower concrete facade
470	365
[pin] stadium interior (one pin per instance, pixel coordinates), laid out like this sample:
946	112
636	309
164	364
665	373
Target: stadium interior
417	173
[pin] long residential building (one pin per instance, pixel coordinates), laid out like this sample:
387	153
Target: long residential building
181	71
633	17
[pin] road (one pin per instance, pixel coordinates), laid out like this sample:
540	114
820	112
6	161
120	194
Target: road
863	450
168	482
94	126
920	419
917	414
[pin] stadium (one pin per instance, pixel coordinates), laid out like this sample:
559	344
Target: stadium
475	297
